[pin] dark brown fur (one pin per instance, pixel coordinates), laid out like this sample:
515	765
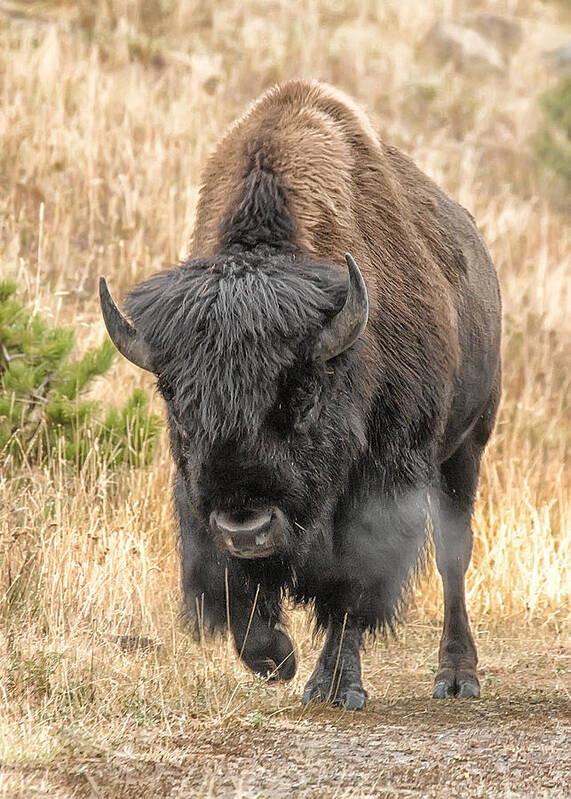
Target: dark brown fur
405	413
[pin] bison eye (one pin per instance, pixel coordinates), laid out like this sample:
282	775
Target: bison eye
297	406
307	413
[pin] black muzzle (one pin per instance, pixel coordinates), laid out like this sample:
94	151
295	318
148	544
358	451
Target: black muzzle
249	534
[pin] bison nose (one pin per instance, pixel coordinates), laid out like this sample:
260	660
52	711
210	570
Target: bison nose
250	534
252	521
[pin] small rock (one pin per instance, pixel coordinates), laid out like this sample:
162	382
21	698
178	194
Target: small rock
211	84
135	643
467	48
504	32
560	57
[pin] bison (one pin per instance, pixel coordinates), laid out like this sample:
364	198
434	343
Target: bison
329	358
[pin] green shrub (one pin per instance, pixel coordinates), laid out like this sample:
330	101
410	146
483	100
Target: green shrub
42	414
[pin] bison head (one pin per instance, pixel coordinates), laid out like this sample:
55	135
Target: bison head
262	410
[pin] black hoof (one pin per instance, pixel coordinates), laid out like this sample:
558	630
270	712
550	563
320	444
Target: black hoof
275	660
354	698
468	689
448	683
442	690
350	697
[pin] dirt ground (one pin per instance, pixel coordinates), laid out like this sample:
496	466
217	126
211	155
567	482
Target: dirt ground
514	742
505	748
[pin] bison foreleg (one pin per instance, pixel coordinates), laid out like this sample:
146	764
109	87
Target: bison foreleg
264	647
337	676
214	593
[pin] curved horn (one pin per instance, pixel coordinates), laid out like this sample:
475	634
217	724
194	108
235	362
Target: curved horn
122	333
346	326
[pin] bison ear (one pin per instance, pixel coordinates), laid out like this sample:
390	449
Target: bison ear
122	333
346	326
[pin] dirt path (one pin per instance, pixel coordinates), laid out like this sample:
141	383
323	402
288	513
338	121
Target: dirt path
494	748
512	743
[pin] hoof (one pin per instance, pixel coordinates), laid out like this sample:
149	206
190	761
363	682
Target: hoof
350	697
449	683
469	689
354	698
276	660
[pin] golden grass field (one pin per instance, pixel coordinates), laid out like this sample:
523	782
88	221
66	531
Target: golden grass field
108	110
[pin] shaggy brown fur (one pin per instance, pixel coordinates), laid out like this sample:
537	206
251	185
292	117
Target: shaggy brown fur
347	191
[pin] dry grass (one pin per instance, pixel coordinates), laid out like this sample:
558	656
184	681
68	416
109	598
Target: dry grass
107	112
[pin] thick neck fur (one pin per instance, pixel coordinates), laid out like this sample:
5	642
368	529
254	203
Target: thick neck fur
304	169
262	217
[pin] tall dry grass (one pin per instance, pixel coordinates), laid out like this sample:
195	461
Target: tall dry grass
107	113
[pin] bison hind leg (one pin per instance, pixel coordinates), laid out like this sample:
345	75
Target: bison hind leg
457	675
